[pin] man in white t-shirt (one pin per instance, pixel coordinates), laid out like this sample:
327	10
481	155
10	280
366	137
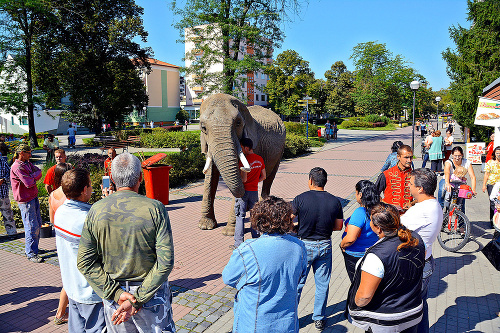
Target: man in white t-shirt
448	143
425	218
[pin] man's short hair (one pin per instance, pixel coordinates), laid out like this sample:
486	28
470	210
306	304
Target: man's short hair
74	181
246	142
60	151
404	148
426	179
126	170
318	176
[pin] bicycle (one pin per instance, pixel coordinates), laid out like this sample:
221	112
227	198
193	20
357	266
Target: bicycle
456	228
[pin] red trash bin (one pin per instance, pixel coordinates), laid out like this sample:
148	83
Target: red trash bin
156	178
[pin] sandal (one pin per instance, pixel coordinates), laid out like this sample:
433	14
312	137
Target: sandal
62	320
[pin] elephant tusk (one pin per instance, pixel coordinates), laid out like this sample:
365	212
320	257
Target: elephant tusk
243	159
208	164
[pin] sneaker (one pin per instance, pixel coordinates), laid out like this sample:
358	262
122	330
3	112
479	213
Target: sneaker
319	324
36	259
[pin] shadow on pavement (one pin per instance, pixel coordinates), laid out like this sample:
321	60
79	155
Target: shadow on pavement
334	315
25	294
444	267
39	316
195	283
194	198
467	312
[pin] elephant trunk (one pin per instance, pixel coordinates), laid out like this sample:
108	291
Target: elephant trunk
225	158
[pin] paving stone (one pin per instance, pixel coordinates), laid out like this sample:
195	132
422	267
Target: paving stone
181	323
189	317
202	307
182	301
191	325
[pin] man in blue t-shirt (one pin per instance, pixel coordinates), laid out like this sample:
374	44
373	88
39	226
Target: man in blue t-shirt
319	214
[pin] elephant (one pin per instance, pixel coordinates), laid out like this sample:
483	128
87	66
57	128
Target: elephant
224	120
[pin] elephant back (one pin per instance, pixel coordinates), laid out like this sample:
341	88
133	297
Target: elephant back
272	133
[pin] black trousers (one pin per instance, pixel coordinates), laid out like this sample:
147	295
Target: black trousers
350	264
489	188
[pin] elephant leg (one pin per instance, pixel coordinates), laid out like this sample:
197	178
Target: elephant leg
208	220
228	230
266	184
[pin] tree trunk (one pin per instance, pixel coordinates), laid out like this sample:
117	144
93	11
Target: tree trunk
29	96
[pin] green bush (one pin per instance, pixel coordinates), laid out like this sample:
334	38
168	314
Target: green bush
90	142
164	139
182	116
187	166
375	118
44	211
295	145
353	123
300	129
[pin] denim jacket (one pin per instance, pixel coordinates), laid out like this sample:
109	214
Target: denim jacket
266	272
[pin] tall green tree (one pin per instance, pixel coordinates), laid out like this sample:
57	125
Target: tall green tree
318	90
382	80
22	23
340	86
91	56
475	61
289	78
223	31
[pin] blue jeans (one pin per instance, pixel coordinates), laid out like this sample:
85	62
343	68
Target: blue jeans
423	326
32	221
426	158
319	256
241	206
71	140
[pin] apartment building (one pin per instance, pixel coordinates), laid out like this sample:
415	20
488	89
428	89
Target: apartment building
250	86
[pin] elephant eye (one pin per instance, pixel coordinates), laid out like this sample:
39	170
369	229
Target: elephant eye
203	128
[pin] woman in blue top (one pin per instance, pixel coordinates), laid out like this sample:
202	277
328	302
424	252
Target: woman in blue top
358	235
266	272
392	159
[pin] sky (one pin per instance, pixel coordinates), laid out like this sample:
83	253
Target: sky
325	31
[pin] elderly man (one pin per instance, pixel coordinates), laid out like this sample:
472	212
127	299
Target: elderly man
394	182
426	219
23	177
60	156
50	144
126	254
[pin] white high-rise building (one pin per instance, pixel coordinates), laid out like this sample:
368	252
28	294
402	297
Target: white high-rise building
250	83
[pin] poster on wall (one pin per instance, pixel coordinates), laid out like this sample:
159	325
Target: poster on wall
488	112
474	150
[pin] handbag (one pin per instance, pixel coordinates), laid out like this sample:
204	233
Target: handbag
492	253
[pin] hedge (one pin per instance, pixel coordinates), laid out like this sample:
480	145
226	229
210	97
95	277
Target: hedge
300	129
375	118
354	123
165	139
295	145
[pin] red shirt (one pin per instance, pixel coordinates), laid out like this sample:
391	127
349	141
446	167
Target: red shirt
107	167
256	165
49	177
489	151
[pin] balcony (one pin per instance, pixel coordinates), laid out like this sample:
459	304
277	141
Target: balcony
197	101
197	51
198	89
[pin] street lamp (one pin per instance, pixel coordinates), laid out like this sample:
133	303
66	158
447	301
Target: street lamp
414	85
437	112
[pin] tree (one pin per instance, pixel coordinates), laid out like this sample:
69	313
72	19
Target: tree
382	80
221	30
289	77
182	116
318	90
340	86
94	60
22	22
474	63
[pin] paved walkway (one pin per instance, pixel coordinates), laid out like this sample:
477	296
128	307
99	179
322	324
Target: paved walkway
463	296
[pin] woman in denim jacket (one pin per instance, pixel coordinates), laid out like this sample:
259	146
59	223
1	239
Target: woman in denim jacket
266	272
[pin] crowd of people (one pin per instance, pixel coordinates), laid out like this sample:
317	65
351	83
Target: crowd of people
116	255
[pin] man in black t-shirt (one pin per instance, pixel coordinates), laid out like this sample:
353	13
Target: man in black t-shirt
319	214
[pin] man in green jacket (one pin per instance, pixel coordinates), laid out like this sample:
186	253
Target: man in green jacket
126	254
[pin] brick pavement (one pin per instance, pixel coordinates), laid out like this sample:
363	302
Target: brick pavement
201	300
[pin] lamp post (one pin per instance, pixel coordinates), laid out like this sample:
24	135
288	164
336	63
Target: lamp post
437	112
414	85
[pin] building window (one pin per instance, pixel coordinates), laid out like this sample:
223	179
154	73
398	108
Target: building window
256	97
263	98
256	75
12	120
243	84
23	120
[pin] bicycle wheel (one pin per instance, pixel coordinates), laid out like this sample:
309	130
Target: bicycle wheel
454	236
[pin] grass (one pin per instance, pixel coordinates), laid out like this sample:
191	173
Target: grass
317	142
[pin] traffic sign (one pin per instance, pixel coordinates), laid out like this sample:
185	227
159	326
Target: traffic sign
310	101
302	101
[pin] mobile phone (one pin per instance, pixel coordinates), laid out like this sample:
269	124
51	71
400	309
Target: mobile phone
105	182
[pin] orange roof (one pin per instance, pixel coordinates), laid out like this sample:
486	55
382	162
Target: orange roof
160	63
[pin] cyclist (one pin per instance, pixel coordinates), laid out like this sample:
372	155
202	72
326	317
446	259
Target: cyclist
457	159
